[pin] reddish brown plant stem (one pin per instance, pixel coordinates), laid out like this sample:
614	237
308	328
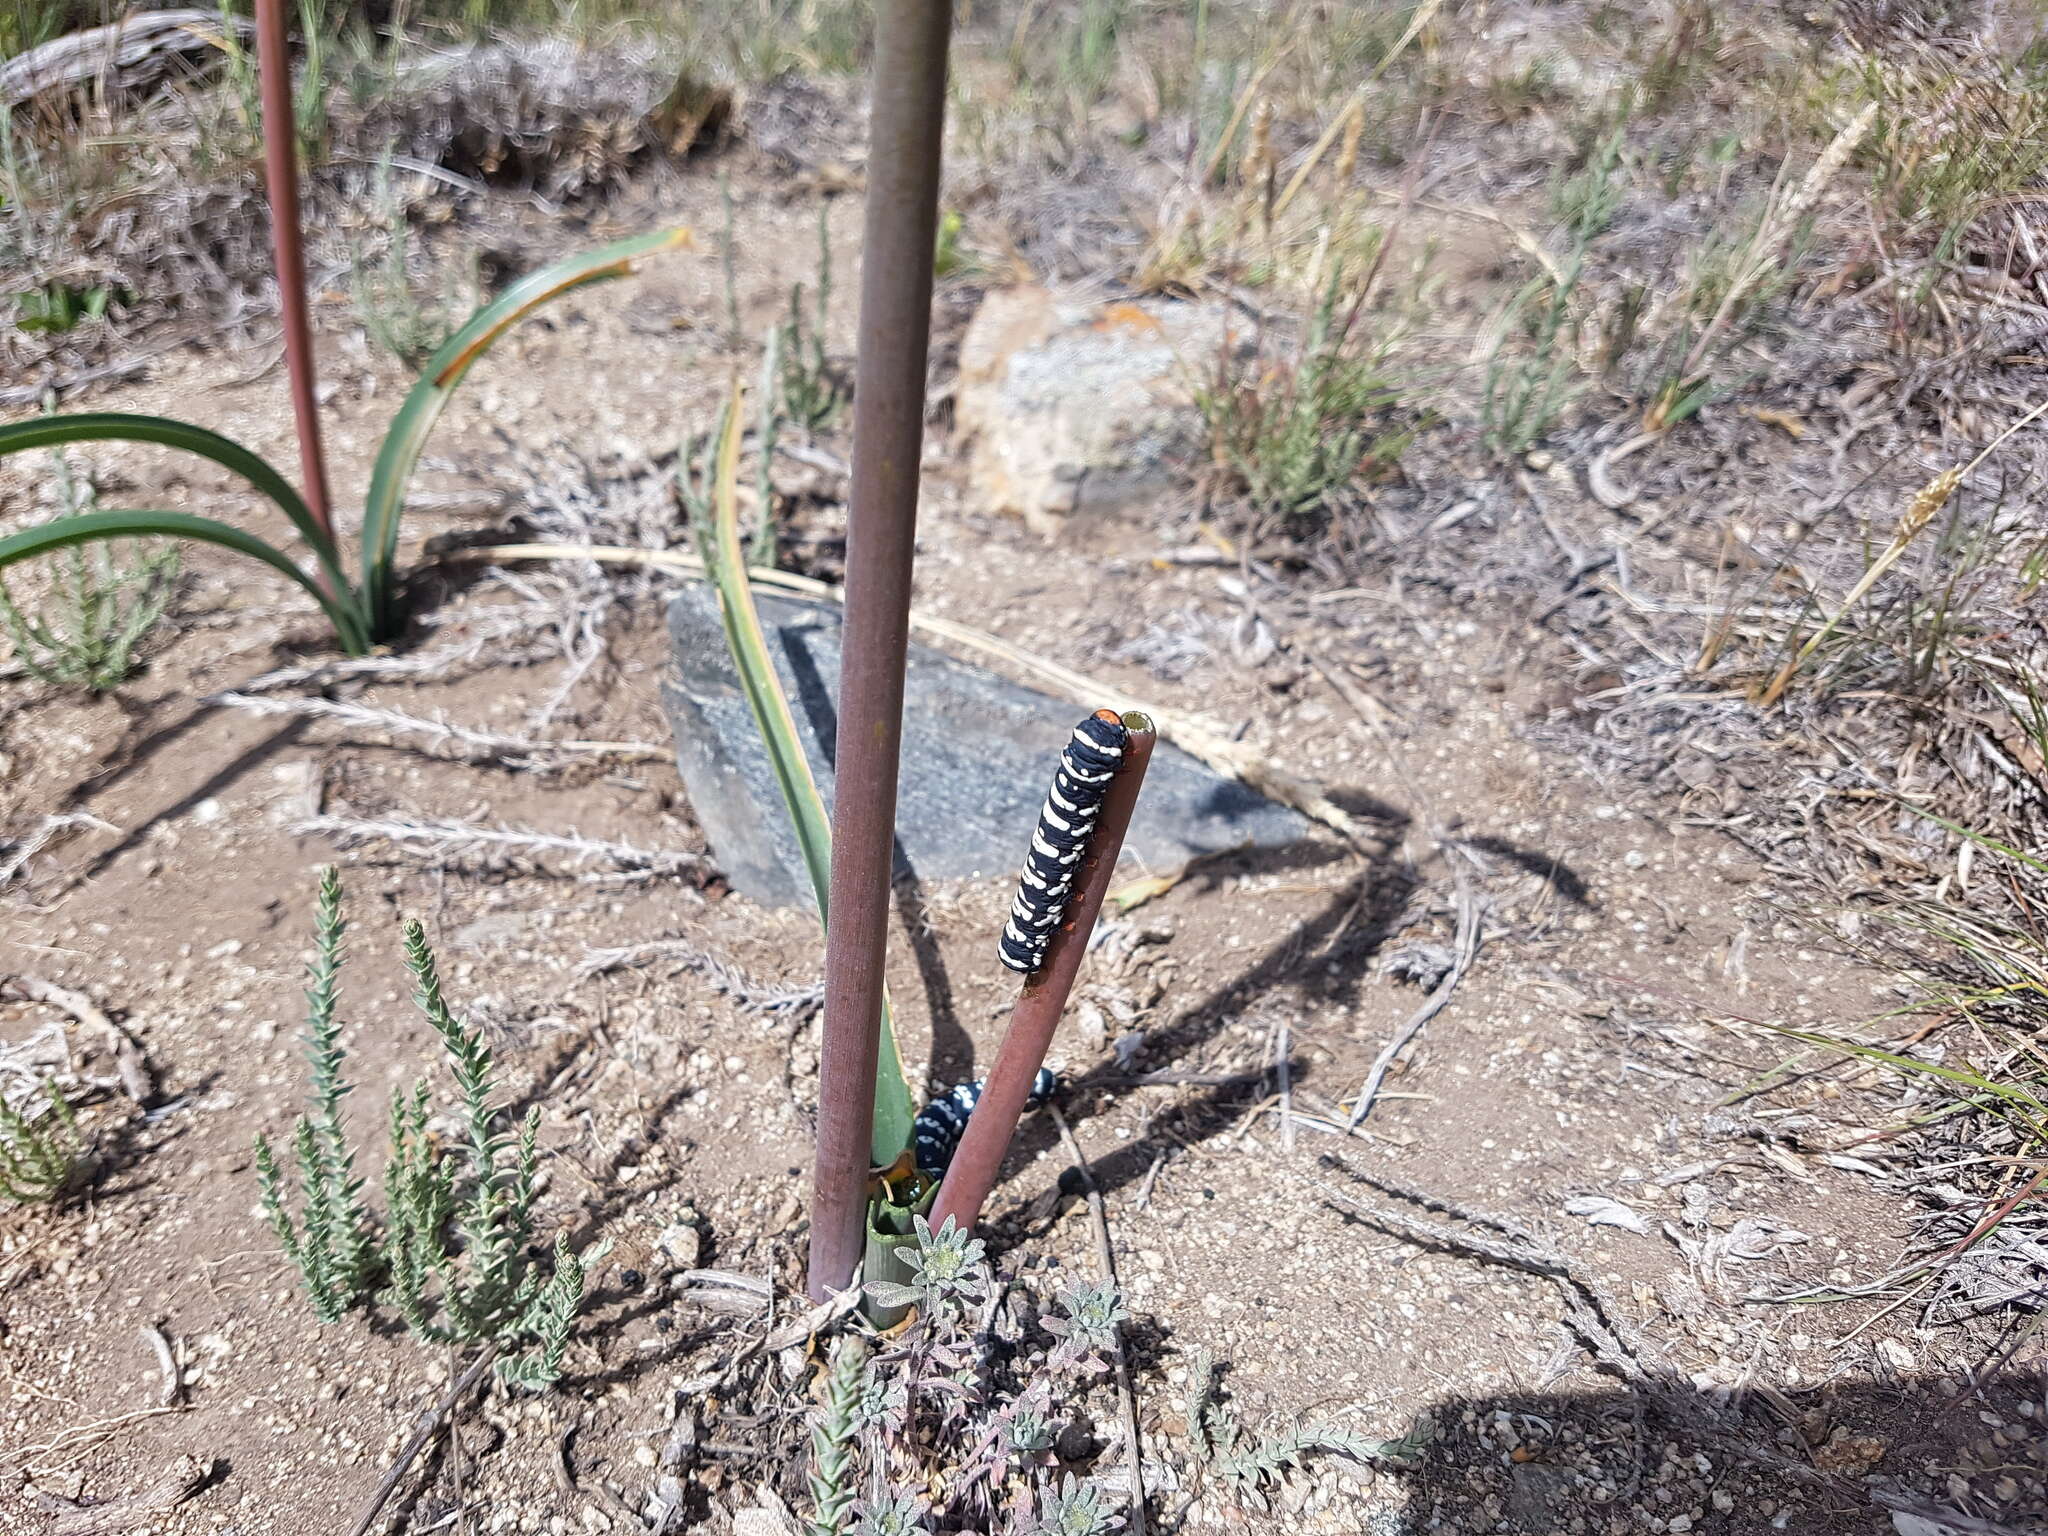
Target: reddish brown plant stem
979	1157
906	123
281	183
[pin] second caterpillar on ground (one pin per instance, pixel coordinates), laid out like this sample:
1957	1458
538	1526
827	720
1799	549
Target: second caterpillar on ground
936	1133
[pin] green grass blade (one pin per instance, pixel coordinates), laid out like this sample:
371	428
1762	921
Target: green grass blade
114	426
894	1111
407	437
89	526
1979	838
1911	1066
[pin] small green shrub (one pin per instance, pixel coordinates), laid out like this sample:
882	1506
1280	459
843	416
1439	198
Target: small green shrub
813	391
453	1250
395	314
1292	429
42	1155
332	1247
54	307
1531	372
940	1427
835	1429
102	604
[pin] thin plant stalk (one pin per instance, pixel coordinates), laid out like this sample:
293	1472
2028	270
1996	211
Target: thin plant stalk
1919	512
906	128
281	184
985	1142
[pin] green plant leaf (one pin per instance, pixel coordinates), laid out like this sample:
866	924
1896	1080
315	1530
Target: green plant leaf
88	526
115	426
1912	1066
894	1111
409	430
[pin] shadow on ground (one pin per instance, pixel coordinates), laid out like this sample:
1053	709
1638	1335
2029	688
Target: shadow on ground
1849	1457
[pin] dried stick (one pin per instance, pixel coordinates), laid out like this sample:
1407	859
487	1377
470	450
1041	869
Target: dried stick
130	1064
1127	1400
167	1362
1467	946
36	841
1469	908
429	1425
473	745
119	1517
447	836
723	976
1283	1075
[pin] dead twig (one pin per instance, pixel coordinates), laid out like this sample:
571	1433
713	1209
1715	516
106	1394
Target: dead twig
36	841
1127	1400
448	838
429	1425
128	54
82	1439
467	743
167	1363
131	1065
1464	948
752	995
1283	1074
1470	908
119	1517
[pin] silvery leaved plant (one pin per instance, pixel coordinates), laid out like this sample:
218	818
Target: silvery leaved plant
1029	1434
947	1270
952	1423
1087	1330
884	1405
1073	1508
897	1513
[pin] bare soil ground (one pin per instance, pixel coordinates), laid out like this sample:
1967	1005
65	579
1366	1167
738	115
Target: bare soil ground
1555	1238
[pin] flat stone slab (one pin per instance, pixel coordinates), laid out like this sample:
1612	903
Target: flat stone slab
978	755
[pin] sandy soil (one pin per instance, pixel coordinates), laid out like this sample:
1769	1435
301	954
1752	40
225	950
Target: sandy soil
1599	1046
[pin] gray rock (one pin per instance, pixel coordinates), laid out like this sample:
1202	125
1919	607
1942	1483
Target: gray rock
1081	409
978	754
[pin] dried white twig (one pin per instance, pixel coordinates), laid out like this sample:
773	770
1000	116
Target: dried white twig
754	996
1283	1071
468	743
118	1517
167	1362
445	837
130	1064
1464	948
483	635
37	840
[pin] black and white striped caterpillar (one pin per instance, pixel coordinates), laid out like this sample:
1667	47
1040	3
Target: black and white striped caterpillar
1058	843
940	1124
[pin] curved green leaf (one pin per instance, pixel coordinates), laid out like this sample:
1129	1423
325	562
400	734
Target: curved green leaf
895	1113
424	404
88	526
115	426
